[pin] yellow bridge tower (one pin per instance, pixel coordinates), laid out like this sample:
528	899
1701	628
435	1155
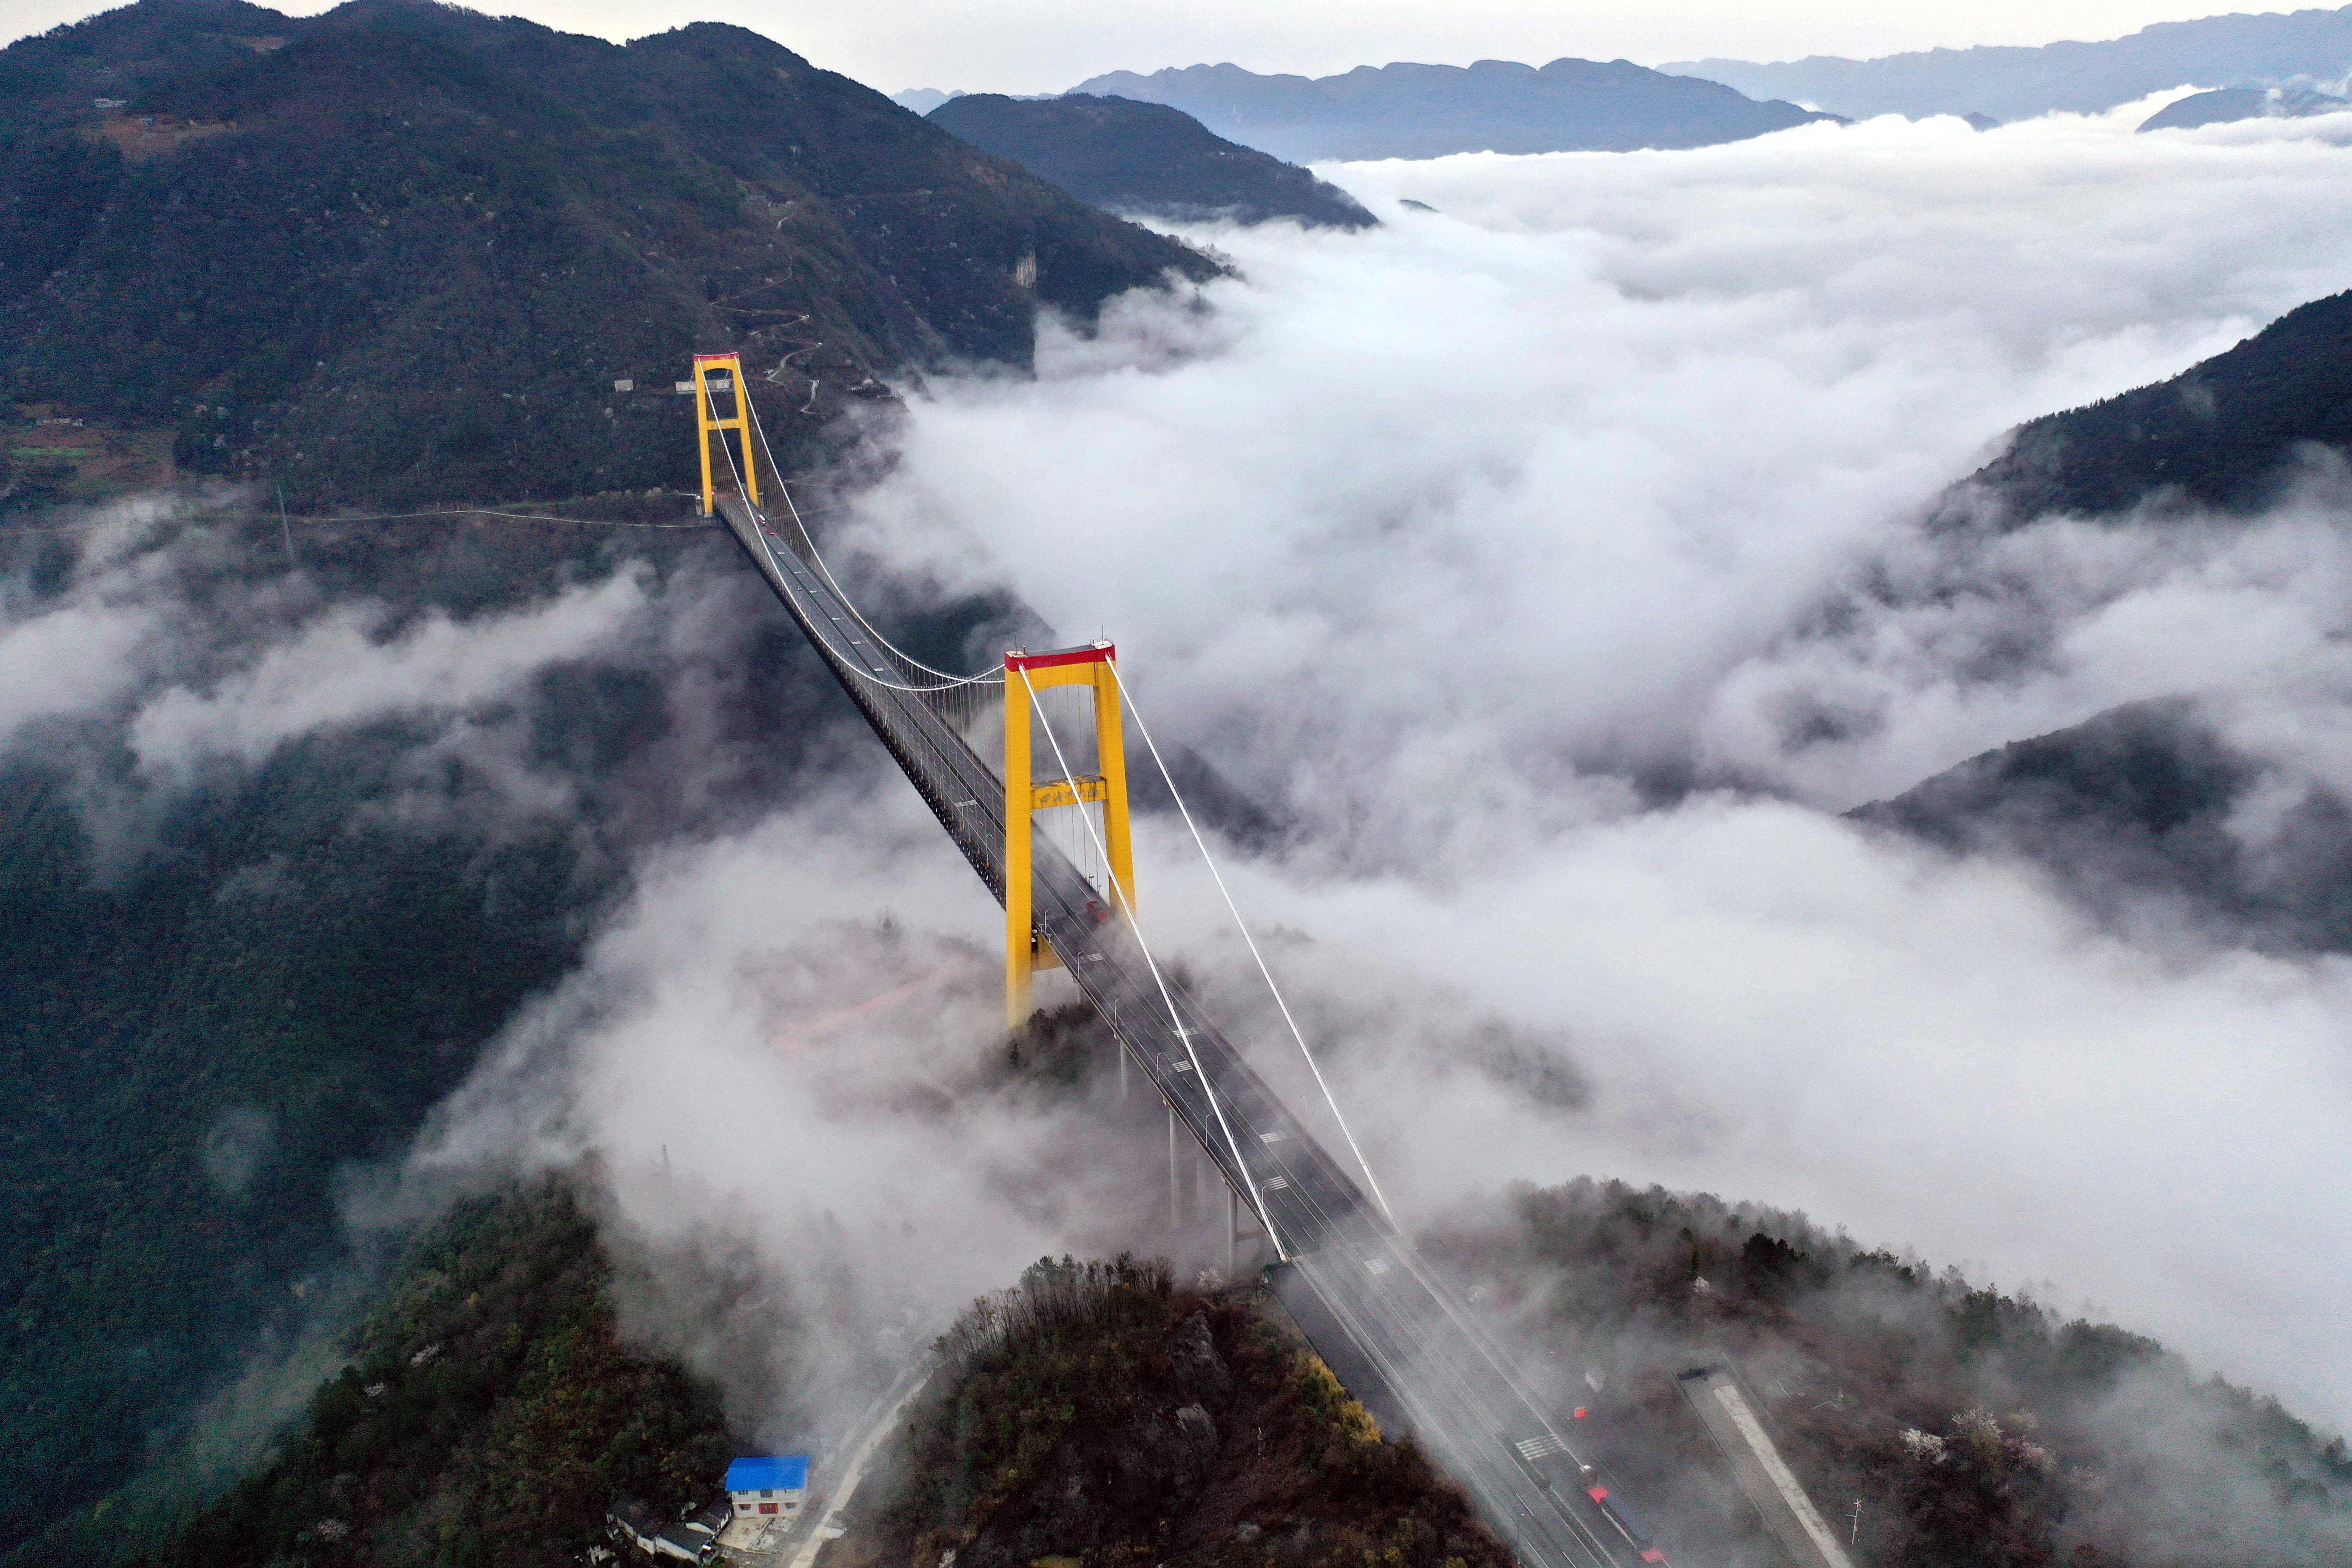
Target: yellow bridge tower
1026	674
717	373
718	382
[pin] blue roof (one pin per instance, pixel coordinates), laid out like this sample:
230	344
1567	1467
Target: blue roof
789	1473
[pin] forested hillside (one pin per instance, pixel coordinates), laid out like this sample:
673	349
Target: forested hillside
1145	158
2141	813
2136	813
403	252
1097	1413
227	996
2221	433
489	1414
1977	1429
1100	1414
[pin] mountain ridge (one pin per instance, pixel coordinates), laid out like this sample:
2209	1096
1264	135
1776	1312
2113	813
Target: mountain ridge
2223	434
2018	81
419	254
1411	110
2227	105
1146	158
2130	811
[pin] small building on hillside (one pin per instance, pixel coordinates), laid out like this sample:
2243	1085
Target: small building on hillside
774	1486
633	1522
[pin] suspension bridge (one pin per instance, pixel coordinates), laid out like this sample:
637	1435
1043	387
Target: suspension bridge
1393	1332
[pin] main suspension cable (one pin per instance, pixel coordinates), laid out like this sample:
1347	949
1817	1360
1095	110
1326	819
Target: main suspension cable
1243	926
1175	1017
984	678
846	660
1175	1014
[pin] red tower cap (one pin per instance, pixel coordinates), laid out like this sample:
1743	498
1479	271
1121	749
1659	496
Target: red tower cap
1088	653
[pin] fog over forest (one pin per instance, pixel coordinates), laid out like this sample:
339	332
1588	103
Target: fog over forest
1516	555
1552	569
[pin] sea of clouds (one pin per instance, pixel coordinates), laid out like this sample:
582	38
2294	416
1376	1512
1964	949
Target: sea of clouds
1554	565
1551	567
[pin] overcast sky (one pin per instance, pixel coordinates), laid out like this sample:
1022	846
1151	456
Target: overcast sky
1047	45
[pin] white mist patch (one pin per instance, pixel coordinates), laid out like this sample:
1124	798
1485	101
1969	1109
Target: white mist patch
776	1060
1970	643
71	659
236	1146
1771	1003
170	650
352	665
1461	538
111	628
1520	489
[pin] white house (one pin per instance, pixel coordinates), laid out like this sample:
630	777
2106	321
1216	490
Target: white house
774	1487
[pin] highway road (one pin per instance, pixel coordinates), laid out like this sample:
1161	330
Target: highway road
883	1420
1396	1335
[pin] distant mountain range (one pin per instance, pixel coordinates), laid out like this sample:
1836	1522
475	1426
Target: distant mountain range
403	252
2227	105
1429	112
1145	158
2306	49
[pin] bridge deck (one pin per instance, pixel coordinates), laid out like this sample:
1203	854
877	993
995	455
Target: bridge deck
1364	1299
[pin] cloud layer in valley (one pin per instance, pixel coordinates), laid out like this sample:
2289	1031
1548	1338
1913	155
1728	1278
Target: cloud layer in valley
1609	423
156	646
1533	557
1551	564
783	1062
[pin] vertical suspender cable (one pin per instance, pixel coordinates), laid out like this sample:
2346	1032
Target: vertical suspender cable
1086	819
1174	793
1175	1017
